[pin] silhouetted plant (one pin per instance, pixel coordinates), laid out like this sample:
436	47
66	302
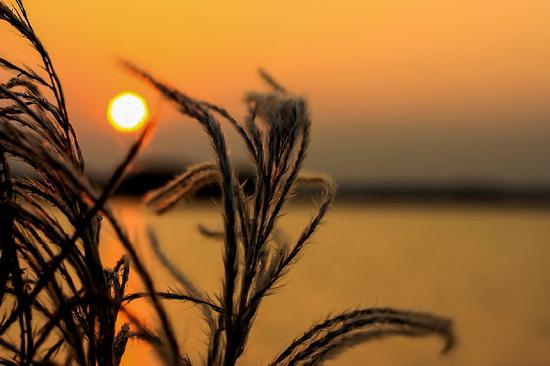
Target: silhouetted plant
55	290
62	302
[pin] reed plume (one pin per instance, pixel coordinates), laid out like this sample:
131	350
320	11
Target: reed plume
276	134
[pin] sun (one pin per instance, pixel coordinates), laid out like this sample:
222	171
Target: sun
127	111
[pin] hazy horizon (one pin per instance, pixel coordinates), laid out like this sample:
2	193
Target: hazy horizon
410	91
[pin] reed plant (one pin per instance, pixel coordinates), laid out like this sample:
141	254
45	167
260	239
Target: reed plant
60	303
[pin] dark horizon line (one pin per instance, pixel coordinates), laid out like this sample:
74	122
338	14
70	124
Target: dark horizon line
473	192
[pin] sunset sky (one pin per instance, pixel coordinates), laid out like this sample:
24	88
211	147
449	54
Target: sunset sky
420	90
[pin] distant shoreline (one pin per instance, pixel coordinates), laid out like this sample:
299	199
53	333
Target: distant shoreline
138	184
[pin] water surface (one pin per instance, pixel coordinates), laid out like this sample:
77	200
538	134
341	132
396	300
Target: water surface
487	268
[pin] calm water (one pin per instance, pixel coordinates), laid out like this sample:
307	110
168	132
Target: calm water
487	268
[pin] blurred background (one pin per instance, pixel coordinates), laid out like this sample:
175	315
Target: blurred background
433	116
406	91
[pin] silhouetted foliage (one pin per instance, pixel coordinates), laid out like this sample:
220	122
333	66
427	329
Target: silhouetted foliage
60	304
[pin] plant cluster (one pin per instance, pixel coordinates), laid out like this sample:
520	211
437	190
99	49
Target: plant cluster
60	303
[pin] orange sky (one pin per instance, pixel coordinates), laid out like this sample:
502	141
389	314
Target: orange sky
423	89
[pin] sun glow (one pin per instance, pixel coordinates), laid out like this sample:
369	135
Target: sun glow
127	111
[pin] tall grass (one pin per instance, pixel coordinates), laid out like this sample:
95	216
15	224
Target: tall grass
60	304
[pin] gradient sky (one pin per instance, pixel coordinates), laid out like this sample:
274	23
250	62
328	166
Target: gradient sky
422	90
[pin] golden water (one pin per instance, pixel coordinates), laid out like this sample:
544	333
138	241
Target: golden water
487	268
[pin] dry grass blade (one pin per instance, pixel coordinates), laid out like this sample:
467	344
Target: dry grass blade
173	296
182	187
346	330
196	110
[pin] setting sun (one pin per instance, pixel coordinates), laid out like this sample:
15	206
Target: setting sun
127	111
